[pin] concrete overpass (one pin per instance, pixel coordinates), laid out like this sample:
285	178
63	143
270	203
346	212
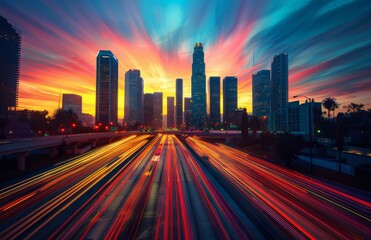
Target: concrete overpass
22	147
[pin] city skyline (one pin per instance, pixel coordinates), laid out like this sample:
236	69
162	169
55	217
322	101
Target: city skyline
321	59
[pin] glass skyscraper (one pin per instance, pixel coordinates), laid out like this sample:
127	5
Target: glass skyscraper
187	111
279	93
157	110
214	93
229	99
106	88
261	92
73	102
170	112
133	109
148	110
198	118
179	103
10	52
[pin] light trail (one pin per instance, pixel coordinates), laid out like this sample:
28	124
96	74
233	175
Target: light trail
146	187
299	206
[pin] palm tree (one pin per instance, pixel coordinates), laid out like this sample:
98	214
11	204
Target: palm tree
330	104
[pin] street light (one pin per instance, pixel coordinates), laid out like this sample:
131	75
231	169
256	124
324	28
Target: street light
310	128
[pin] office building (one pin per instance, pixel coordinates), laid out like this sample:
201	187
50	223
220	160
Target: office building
214	93
170	112
299	115
157	110
187	112
293	116
279	93
179	103
10	52
148	110
261	91
230	91
133	107
237	122
73	102
198	88
106	88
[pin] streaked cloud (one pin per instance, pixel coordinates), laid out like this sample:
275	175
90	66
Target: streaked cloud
328	45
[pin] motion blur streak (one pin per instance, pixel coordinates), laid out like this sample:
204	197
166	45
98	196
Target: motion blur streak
155	187
293	203
58	188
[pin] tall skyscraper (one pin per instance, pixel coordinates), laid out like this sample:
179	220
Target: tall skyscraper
214	93
261	92
73	102
10	52
107	88
279	93
179	103
170	112
133	109
198	118
148	110
187	112
229	99
157	110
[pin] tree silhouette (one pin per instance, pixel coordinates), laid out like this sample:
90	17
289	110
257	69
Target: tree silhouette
355	108
330	104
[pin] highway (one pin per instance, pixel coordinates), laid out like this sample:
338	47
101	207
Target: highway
145	187
288	203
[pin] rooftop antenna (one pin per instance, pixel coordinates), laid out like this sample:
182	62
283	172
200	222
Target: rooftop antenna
253	57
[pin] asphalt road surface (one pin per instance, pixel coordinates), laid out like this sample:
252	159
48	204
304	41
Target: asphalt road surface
158	187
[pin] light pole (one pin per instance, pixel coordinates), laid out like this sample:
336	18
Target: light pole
310	129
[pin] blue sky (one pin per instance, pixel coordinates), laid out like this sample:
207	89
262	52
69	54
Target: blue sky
328	43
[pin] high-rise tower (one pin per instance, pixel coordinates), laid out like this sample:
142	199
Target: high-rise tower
133	109
214	93
10	52
179	103
106	88
157	111
279	93
261	93
198	118
229	99
170	112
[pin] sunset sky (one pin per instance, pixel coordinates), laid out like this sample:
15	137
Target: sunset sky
328	43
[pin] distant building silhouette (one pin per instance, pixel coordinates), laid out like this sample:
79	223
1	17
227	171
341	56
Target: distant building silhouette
170	112
148	110
157	110
106	88
214	93
230	97
133	109
298	117
10	52
179	103
187	111
73	102
198	79
261	92
238	113
277	120
86	120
